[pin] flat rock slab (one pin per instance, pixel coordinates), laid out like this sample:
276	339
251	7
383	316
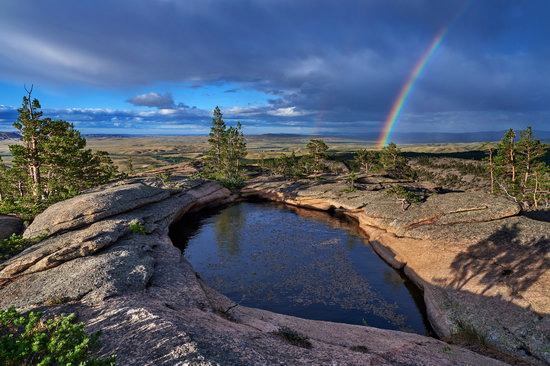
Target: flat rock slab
90	207
153	309
10	225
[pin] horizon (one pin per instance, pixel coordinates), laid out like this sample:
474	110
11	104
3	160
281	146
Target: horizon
384	70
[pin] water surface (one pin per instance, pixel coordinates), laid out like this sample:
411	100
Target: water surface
298	262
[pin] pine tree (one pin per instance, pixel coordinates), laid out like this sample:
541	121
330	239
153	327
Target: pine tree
233	152
520	172
4	183
491	167
216	140
51	163
505	159
393	161
529	152
366	159
317	151
31	126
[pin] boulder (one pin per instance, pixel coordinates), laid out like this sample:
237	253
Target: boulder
10	225
90	207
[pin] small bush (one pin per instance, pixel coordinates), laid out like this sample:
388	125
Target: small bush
137	227
31	339
232	183
14	245
293	337
403	193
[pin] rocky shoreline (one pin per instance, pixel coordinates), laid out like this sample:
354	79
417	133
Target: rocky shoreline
153	309
484	269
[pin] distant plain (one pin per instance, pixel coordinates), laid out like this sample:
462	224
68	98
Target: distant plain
156	151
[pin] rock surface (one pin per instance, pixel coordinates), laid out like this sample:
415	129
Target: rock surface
153	309
485	270
10	225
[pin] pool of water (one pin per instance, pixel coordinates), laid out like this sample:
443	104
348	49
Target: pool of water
298	262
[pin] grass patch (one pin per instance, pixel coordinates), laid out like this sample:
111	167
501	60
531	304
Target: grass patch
293	337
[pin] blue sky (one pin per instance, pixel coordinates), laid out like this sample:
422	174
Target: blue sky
309	66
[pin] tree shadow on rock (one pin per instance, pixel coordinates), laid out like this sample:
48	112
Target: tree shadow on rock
505	258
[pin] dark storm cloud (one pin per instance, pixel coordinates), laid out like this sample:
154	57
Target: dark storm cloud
153	100
324	62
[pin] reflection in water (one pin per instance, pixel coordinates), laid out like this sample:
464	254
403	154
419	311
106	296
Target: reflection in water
298	262
228	227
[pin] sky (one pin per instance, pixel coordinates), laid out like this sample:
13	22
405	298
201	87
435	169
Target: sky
278	66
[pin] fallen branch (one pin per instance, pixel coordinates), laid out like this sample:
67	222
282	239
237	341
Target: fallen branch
469	209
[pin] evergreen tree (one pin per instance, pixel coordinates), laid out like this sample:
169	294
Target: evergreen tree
31	126
519	170
233	152
529	153
317	151
4	183
217	141
50	164
394	162
505	159
366	159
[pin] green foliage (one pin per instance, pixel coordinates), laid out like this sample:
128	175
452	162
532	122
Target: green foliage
350	180
233	153
519	170
15	244
227	150
317	151
367	160
232	184
26	207
394	163
32	339
293	337
403	193
137	227
164	177
216	140
50	164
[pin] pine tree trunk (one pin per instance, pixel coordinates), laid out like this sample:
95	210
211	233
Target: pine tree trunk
34	167
535	201
491	170
512	161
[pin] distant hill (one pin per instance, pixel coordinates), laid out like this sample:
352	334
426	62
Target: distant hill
441	137
9	135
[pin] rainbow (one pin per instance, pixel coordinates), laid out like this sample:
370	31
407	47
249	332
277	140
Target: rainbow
399	103
420	66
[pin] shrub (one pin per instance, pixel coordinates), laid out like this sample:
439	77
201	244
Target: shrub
403	193
31	339
137	227
15	244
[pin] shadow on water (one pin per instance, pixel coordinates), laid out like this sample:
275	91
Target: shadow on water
299	262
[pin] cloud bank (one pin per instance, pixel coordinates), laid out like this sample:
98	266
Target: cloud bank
327	65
